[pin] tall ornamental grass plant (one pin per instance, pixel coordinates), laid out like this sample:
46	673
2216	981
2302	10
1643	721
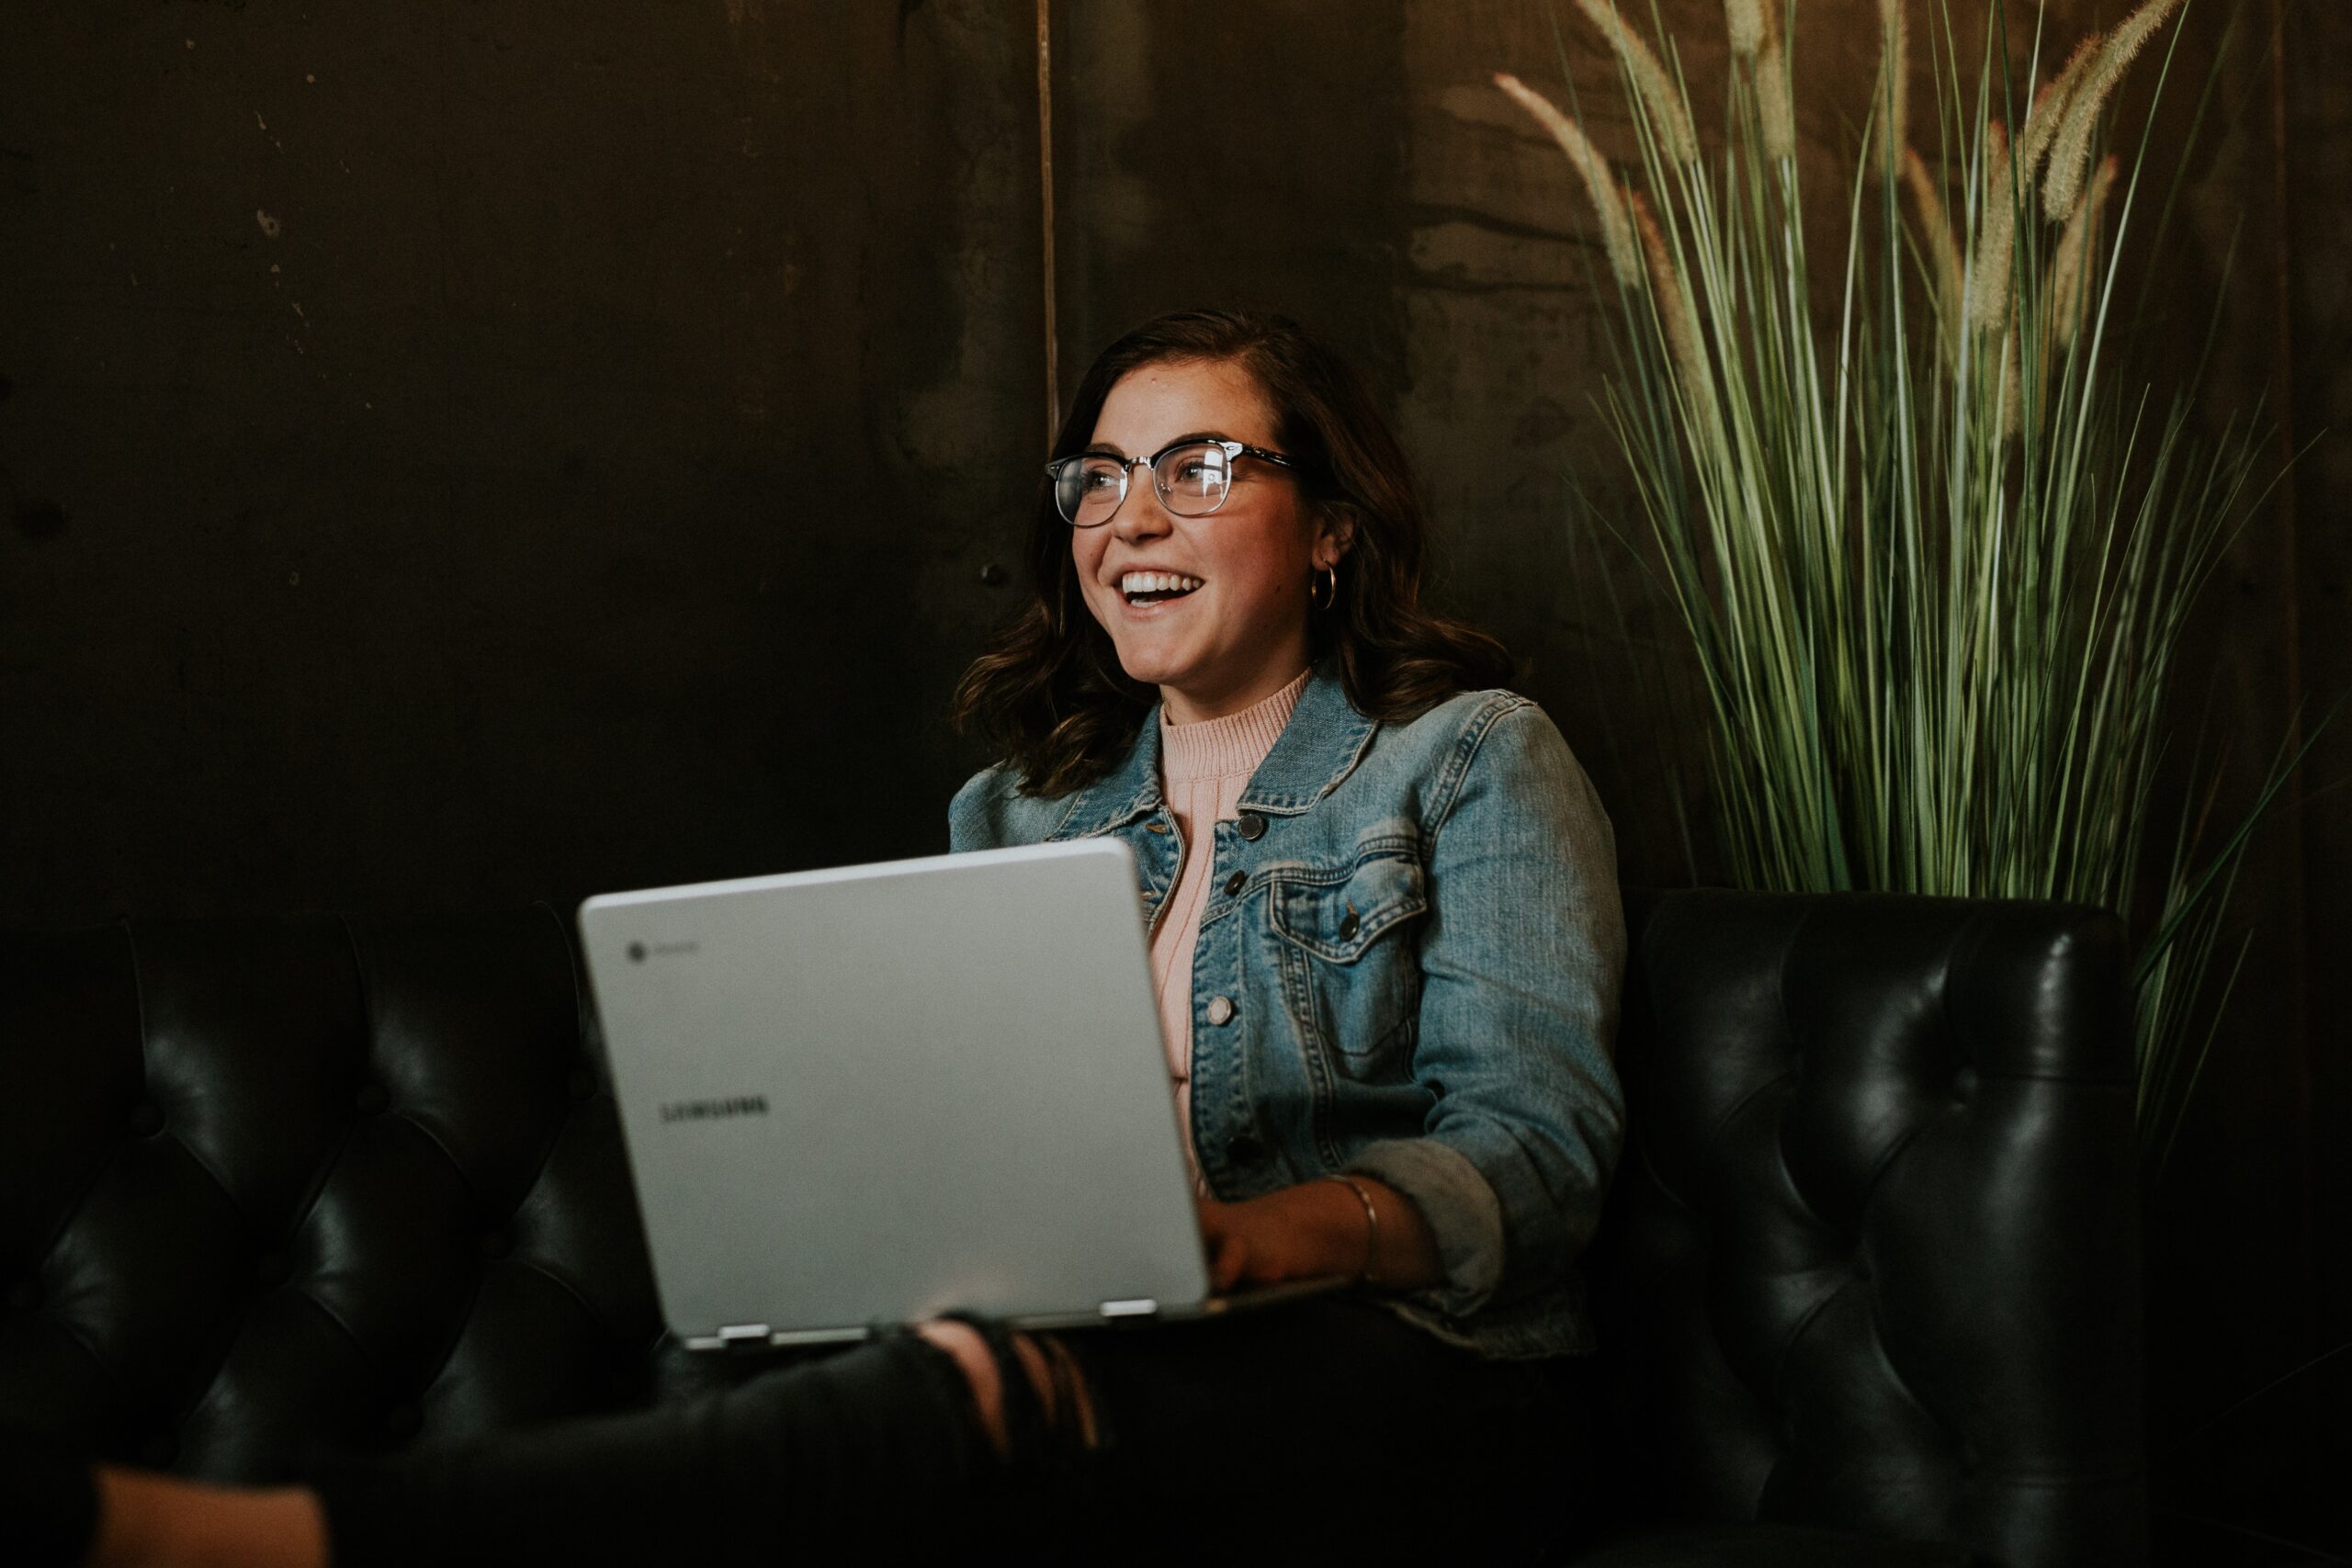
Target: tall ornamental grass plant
1934	554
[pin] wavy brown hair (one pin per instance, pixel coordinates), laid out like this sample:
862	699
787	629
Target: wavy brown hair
1048	688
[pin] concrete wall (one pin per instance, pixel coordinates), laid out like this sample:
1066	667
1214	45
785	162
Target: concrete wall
472	452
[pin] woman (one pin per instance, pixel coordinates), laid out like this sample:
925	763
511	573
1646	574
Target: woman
1385	935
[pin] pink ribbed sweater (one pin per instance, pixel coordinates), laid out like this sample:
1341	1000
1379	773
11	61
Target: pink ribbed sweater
1204	767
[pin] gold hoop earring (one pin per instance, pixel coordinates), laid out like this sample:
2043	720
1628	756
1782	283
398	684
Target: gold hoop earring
1331	576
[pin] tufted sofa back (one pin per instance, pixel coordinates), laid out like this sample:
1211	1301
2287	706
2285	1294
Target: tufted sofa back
269	1183
1870	1262
1872	1258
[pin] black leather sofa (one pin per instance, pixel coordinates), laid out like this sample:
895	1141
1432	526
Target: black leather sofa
1870	1284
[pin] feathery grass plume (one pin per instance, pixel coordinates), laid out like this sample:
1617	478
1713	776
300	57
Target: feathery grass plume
2049	101
1943	251
2070	154
1616	228
1744	20
2013	385
1679	317
1659	94
2069	271
1773	110
1988	278
1895	71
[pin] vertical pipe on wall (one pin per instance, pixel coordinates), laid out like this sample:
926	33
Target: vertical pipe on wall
1045	183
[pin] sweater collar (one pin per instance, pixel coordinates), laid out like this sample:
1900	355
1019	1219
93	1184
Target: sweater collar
1234	744
1320	746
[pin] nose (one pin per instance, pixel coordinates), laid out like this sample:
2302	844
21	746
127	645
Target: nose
1139	514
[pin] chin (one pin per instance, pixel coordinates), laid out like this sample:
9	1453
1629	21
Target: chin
1152	669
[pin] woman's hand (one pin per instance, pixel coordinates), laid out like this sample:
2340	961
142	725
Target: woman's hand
1317	1230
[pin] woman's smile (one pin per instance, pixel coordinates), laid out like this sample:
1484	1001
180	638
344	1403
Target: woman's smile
1149	594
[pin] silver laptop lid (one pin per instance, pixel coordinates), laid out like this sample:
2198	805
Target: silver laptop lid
870	1094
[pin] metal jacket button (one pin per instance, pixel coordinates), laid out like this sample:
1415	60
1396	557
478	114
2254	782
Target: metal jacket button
1220	1011
1235	883
1251	825
1347	926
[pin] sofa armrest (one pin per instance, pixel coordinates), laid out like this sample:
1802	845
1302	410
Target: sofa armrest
1874	1259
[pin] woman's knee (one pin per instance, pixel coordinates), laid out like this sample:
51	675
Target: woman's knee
1054	1385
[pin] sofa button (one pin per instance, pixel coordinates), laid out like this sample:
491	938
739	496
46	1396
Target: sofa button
1220	1011
159	1450
1235	883
146	1120
272	1269
402	1421
496	1244
25	1294
1251	825
371	1099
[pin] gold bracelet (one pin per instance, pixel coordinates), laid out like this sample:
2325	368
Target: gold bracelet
1371	1226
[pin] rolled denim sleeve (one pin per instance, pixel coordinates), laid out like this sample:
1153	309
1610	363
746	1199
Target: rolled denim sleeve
1522	960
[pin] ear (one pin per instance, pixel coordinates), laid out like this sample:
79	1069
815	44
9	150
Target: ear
1337	529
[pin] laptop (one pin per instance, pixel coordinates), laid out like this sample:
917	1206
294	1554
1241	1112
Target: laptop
864	1095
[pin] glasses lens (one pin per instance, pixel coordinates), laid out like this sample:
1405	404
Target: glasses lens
1087	489
1192	480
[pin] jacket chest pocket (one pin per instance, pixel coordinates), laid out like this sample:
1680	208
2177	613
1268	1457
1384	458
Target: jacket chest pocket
1352	934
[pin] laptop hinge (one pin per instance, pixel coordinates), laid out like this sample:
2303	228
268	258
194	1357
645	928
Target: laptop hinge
743	1337
1141	1307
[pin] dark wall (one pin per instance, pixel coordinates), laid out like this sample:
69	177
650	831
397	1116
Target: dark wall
472	452
2248	1226
476	451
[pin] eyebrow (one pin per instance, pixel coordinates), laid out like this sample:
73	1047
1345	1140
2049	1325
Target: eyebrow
1107	450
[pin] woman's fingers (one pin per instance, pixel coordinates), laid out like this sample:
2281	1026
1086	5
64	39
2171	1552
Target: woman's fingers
1232	1262
1217	1235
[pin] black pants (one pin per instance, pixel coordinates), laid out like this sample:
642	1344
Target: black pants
1326	1429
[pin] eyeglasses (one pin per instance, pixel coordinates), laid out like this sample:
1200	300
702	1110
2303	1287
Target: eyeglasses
1194	478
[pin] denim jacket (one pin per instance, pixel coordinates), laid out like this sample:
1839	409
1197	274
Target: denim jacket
1408	968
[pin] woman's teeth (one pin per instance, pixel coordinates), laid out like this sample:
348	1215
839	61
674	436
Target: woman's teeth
1151	587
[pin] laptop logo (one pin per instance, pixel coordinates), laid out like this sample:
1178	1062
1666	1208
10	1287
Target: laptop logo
714	1110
